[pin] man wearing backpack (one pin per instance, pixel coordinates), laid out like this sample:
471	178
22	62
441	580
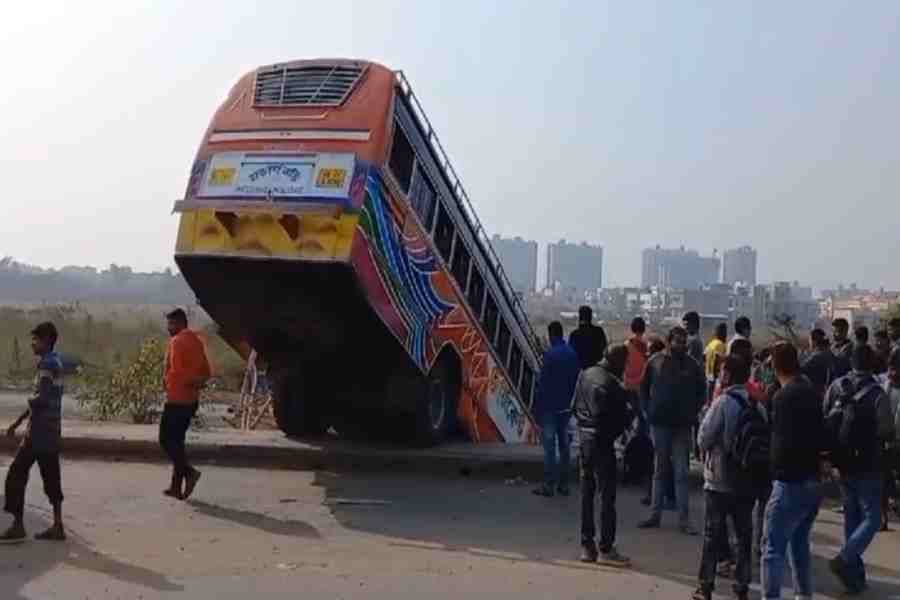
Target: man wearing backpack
859	423
795	413
735	439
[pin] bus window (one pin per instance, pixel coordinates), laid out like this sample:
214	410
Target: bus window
460	264
443	233
490	318
402	158
503	341
422	197
515	364
476	293
525	385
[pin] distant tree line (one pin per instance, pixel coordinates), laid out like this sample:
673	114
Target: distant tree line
21	283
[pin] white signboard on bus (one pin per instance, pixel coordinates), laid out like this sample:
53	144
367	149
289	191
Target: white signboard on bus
277	175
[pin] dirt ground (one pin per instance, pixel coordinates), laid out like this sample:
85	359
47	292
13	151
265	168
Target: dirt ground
274	534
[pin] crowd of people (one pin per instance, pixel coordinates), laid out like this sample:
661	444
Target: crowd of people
769	427
186	369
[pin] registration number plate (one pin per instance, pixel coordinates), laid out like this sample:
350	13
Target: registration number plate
331	178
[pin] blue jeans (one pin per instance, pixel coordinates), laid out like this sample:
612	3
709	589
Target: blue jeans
555	434
862	520
790	515
672	454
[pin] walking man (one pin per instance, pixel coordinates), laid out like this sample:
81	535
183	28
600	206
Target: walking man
589	340
714	355
819	365
41	443
556	385
672	392
729	485
860	422
796	416
602	412
691	323
187	369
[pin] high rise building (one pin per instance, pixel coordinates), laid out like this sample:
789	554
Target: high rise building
739	266
519	260
678	268
575	267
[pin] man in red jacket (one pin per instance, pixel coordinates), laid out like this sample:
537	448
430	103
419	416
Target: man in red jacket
187	369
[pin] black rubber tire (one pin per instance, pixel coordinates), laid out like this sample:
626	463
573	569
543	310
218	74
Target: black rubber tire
435	415
294	414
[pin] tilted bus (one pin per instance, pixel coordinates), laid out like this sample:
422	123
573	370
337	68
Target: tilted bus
324	226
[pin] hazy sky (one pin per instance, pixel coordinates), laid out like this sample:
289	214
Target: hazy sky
709	124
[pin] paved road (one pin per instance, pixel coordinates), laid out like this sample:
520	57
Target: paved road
280	534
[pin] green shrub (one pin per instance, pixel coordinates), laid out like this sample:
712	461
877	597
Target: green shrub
134	389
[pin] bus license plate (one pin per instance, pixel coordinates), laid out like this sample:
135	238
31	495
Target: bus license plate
331	178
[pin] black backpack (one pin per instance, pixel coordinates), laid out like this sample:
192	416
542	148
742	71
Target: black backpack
852	426
750	448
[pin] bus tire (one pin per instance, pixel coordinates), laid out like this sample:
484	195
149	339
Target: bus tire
436	408
294	413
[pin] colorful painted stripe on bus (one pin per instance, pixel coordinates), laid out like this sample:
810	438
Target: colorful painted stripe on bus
408	271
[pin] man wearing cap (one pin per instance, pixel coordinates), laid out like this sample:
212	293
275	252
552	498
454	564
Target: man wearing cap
187	369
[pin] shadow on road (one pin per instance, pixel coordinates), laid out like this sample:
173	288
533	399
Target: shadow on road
256	520
20	564
506	522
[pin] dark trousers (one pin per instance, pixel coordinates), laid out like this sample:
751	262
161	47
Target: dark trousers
719	507
598	471
17	478
173	427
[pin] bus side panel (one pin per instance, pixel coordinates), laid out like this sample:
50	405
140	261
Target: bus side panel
413	294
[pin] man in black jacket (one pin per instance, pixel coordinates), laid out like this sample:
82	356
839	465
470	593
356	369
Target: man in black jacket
672	391
589	340
841	346
819	366
601	410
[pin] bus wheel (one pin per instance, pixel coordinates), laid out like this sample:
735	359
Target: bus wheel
294	413
436	408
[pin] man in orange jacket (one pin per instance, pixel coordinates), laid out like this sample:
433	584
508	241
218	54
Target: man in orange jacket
187	369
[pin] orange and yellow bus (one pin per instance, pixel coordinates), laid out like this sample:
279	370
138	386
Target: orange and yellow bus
324	226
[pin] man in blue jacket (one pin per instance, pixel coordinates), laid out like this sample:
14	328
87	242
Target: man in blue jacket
553	409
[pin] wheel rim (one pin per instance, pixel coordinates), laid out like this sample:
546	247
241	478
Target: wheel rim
436	404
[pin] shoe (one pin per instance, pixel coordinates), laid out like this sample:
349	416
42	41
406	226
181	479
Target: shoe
55	533
651	523
614	559
173	493
545	491
190	482
841	570
588	553
562	491
688	530
14	535
701	594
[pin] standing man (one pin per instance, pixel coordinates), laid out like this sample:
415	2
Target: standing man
187	369
556	385
41	444
894	332
859	423
882	352
742	331
672	392
729	488
691	323
589	340
796	416
714	355
819	365
601	409
841	347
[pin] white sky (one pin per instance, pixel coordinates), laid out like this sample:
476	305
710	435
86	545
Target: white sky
699	123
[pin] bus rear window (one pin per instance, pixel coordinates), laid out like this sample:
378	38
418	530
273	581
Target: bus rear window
422	198
402	158
503	341
476	292
525	385
515	364
460	266
443	233
490	318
